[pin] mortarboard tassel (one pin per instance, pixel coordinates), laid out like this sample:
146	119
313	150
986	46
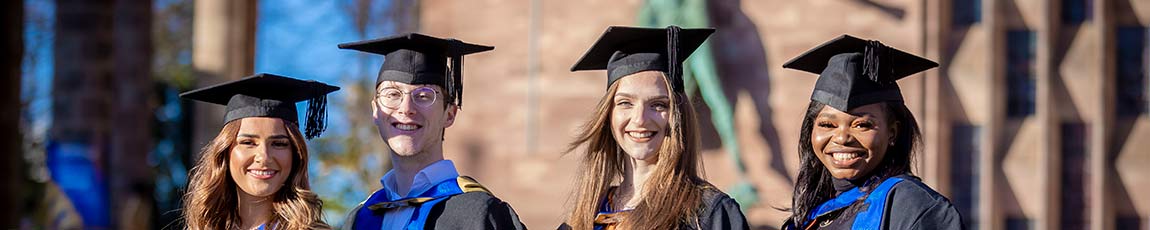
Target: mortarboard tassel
316	119
674	71
456	82
457	79
872	55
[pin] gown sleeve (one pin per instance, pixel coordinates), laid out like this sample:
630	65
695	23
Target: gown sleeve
474	210
724	213
501	216
915	206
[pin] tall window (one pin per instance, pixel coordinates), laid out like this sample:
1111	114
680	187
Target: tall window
1131	88
1075	176
966	12
1077	11
965	147
1020	73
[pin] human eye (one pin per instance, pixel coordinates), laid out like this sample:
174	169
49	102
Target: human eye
865	125
826	124
424	96
246	142
281	144
660	106
624	104
391	93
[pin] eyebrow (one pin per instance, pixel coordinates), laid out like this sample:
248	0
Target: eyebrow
628	95
863	114
382	88
660	97
280	136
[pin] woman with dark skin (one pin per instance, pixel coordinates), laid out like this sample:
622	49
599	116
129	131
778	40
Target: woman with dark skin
857	143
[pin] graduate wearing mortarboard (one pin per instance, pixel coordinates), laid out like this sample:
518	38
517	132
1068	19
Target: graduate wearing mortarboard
857	142
640	167
416	97
253	175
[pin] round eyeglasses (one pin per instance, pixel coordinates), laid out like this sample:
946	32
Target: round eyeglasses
391	97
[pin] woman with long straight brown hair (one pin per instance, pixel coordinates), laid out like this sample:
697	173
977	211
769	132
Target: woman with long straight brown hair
640	168
253	175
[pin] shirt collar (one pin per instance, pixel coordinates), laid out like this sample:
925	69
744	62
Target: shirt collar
426	178
842	185
864	183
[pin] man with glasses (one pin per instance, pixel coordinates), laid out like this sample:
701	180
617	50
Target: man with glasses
417	96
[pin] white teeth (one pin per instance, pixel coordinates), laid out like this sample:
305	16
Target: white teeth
406	127
262	172
846	156
641	134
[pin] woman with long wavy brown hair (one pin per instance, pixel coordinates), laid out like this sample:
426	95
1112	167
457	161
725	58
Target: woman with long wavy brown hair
253	174
640	168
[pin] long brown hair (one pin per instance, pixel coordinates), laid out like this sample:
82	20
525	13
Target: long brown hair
671	195
211	201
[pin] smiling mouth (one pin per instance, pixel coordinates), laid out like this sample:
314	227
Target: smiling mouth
262	173
641	136
406	126
846	159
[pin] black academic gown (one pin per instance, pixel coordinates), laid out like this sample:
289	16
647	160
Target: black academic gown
910	204
719	212
472	210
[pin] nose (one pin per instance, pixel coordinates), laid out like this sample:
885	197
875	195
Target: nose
639	116
406	106
261	153
842	137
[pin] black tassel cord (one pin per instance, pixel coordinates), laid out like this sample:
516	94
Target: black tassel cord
455	81
674	71
874	52
316	120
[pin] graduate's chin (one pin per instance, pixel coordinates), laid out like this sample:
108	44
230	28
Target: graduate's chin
846	173
263	190
404	149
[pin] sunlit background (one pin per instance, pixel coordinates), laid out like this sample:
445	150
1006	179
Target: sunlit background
1036	119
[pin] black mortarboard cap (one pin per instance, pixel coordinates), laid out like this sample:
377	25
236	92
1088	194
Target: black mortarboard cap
269	95
419	59
855	72
623	51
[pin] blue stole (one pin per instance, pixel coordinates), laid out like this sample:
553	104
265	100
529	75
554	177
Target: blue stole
368	219
607	218
871	218
265	227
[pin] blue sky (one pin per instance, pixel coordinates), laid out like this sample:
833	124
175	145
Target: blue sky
298	38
